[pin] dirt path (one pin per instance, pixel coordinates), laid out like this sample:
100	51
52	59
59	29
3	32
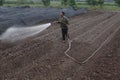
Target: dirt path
42	57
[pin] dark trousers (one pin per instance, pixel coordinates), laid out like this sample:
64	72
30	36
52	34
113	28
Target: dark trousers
64	33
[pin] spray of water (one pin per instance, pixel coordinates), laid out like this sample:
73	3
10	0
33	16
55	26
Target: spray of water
18	33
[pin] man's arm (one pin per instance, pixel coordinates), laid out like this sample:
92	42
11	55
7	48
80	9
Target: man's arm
67	20
59	21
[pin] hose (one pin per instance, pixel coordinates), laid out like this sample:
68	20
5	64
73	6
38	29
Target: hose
105	42
95	52
66	52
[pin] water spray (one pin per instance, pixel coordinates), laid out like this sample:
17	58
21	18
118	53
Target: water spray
15	33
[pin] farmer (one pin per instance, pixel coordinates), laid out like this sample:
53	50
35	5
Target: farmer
63	21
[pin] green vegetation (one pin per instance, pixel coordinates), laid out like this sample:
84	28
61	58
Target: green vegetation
101	2
90	4
95	2
46	2
1	2
111	8
71	3
105	7
64	2
68	3
117	2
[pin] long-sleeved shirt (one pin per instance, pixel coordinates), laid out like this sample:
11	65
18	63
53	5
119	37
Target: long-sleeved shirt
63	22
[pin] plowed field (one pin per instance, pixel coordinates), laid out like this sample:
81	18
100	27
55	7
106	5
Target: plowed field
94	35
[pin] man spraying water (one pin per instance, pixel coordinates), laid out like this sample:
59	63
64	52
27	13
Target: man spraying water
64	22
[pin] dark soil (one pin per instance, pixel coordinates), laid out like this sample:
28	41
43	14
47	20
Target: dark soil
42	57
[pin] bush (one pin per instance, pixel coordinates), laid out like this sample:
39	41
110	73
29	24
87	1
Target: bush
117	2
71	3
101	2
1	2
64	2
92	2
21	1
46	2
95	2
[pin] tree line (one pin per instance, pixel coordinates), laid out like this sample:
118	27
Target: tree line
100	2
69	2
